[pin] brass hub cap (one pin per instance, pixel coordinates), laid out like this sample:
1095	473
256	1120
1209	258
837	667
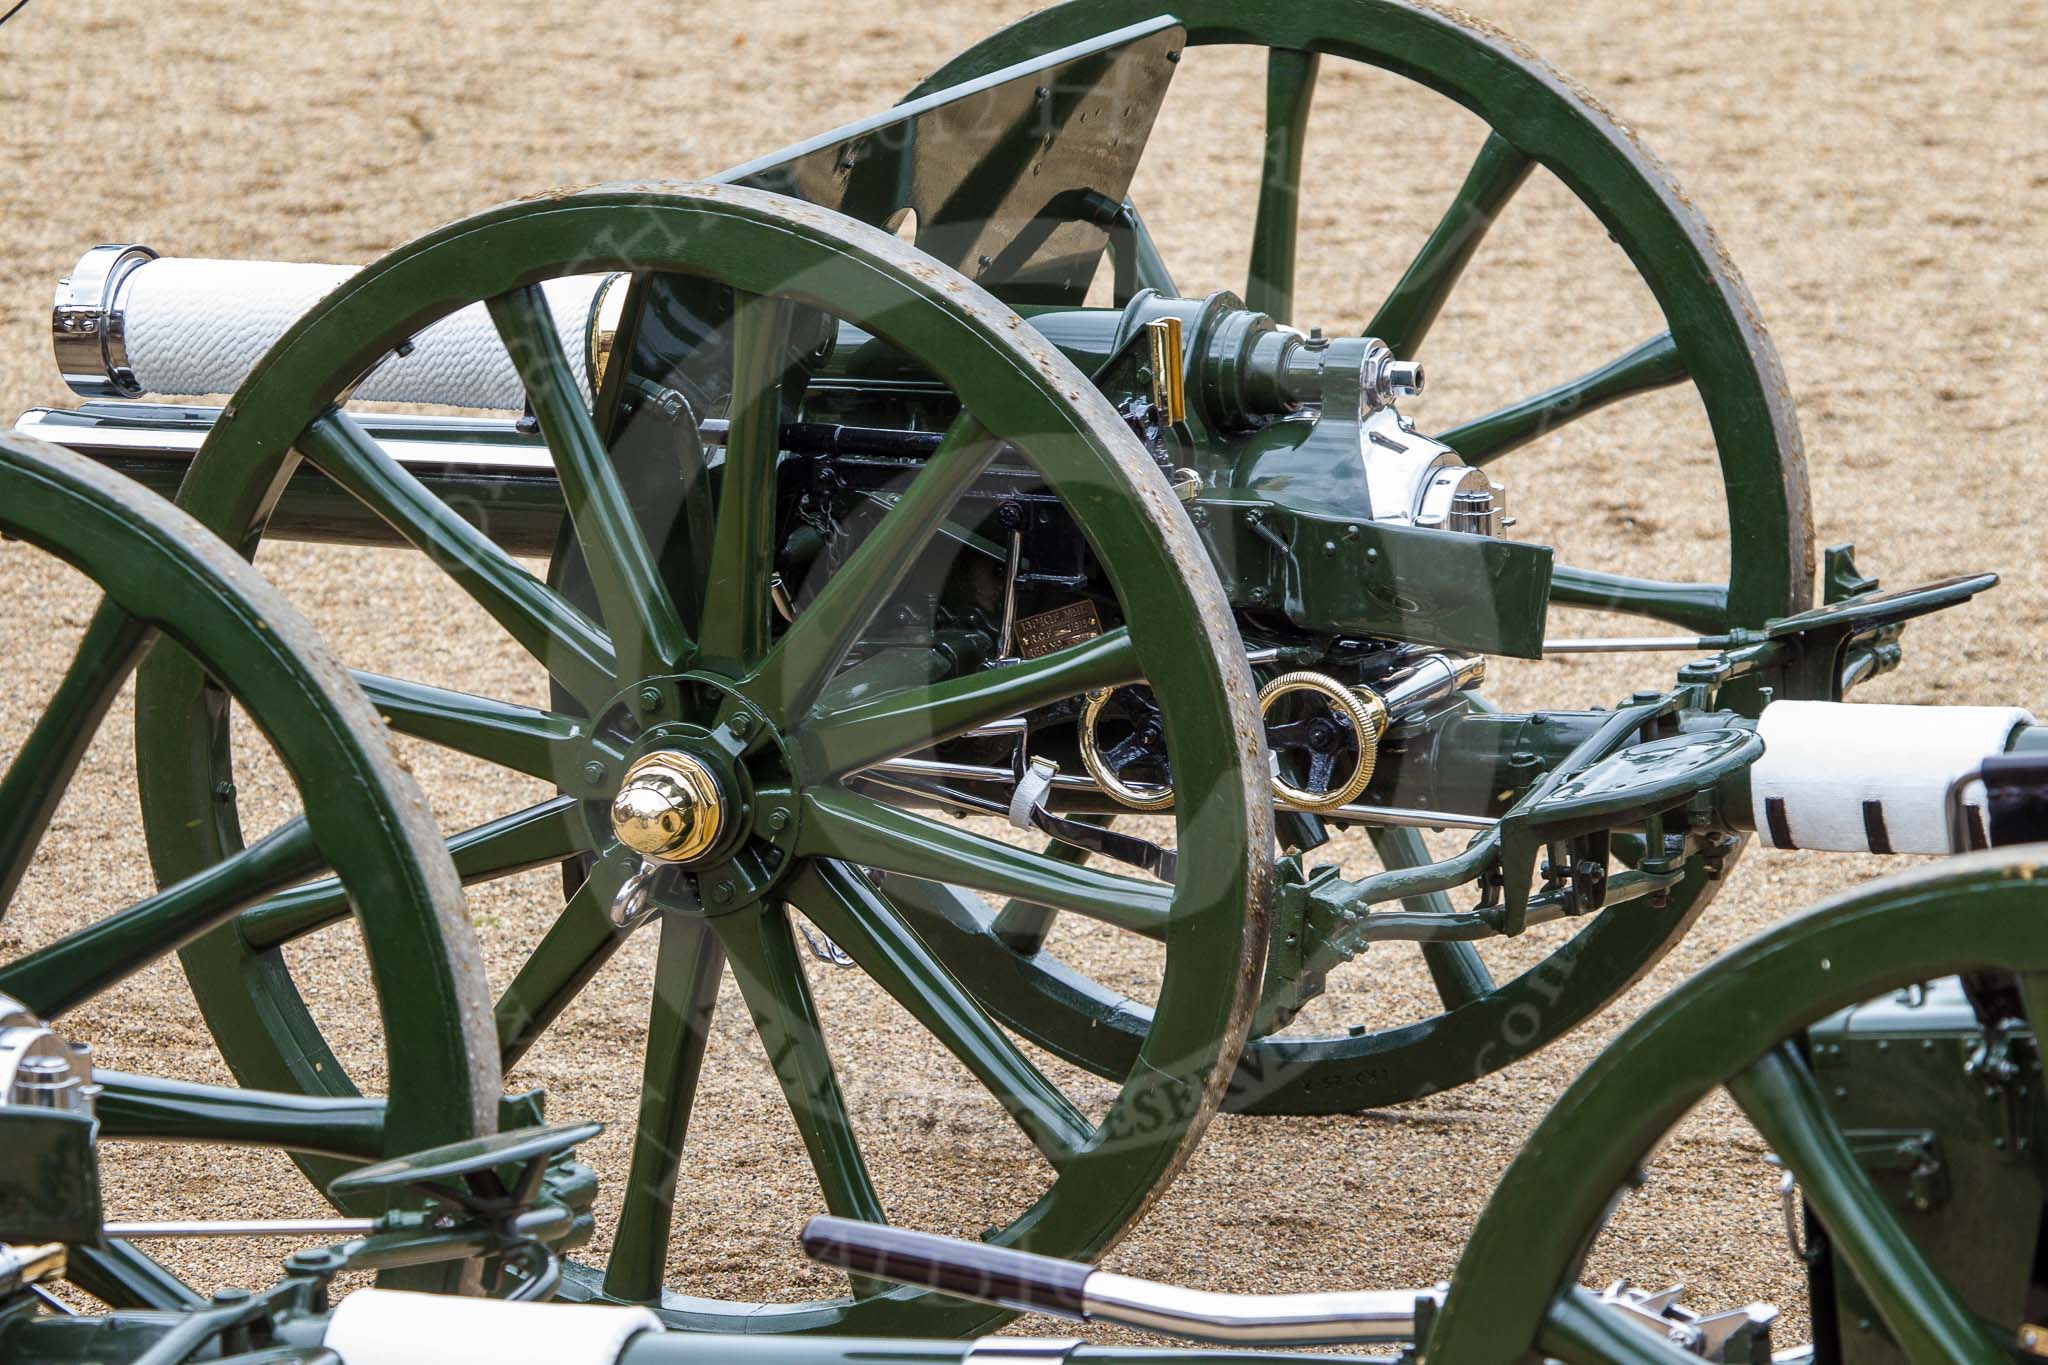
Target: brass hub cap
669	807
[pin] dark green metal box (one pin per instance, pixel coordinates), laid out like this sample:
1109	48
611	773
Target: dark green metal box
1941	1113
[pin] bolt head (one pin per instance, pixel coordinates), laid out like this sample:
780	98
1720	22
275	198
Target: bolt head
594	772
722	892
650	699
778	819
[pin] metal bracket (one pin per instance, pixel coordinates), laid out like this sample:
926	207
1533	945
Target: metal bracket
2004	1078
1734	1335
822	947
1914	1152
1028	812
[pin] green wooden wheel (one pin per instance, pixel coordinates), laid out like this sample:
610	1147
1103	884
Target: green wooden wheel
164	576
1714	341
685	660
1737	1025
1537	117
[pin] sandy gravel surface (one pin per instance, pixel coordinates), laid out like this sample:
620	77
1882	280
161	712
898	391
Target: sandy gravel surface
1880	172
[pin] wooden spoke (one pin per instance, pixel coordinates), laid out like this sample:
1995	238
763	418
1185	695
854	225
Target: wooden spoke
1653	365
80	965
41	769
647	635
840	901
1455	968
842	824
1926	1317
1022	926
535	837
1290	89
734	630
121	1277
580	941
153	1108
835	743
686	977
538	743
565	641
764	960
815	644
1700	607
1457	971
1409	312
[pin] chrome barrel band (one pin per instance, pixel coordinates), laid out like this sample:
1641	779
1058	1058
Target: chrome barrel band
87	325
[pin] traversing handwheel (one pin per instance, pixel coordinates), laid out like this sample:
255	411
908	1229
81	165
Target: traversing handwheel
167	580
723	700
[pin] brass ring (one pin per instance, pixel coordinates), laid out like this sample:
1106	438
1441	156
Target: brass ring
1136	795
607	310
1368	717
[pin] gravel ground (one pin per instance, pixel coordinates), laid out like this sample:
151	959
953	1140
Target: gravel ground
1880	172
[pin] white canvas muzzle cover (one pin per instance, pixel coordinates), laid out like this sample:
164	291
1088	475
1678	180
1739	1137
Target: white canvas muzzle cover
1868	779
195	327
393	1327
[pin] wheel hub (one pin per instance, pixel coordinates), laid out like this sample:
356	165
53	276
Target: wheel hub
669	807
706	797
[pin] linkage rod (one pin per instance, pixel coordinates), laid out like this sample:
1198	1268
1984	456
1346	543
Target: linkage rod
244	1227
1621	644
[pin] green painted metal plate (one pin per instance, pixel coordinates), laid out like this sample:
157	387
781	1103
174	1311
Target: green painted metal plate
51	1187
457	1159
1651	776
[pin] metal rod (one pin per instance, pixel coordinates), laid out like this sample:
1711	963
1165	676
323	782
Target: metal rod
244	1227
480	444
997	729
1471	926
1253	1319
1407	817
973	772
1622	644
1008	634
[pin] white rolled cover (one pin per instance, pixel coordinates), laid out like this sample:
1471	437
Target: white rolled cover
1868	779
392	1327
197	327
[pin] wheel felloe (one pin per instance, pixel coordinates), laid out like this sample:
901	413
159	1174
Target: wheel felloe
648	664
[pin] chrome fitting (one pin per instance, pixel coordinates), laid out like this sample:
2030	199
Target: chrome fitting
1428	680
39	1069
1402	378
87	323
1461	498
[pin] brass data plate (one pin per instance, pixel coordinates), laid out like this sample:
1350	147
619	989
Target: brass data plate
1056	629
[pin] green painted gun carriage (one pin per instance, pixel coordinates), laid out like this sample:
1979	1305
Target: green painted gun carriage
893	477
1928	1258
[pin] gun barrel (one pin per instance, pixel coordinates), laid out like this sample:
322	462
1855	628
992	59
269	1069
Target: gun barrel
129	323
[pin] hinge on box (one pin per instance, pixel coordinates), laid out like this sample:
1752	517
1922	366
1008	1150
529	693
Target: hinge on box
1915	1152
2003	1064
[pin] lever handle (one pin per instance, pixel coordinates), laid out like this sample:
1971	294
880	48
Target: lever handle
970	1270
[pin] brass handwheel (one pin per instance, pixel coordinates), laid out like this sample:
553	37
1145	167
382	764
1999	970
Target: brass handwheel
1362	710
1105	768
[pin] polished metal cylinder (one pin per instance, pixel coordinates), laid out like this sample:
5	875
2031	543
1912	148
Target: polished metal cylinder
1254	1319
